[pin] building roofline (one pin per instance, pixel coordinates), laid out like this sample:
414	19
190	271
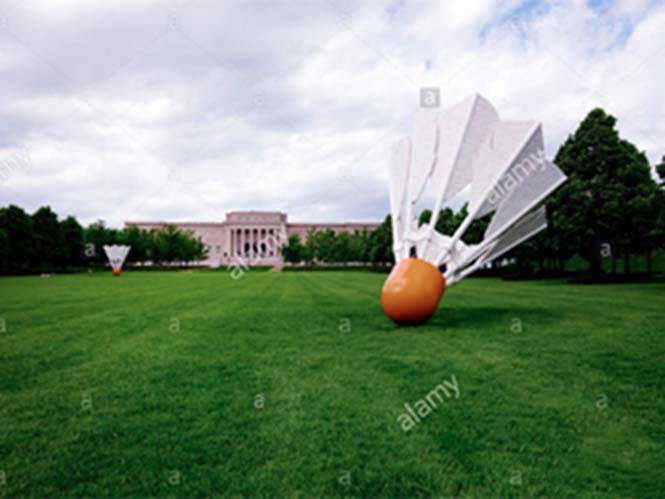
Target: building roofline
330	224
255	212
162	222
130	223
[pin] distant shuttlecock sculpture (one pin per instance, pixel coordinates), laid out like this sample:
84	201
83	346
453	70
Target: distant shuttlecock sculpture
502	167
116	255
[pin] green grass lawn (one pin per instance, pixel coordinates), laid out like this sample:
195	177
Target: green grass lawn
290	384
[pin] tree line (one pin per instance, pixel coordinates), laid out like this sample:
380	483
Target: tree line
610	207
375	247
41	242
329	247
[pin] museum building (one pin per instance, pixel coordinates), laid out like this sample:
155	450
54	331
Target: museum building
251	237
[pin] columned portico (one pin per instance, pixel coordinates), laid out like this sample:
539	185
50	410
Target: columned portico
249	237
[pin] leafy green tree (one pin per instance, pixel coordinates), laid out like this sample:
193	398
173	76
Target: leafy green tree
200	250
193	248
531	256
608	196
168	245
139	240
448	222
309	248
22	243
476	230
324	241
658	232
381	243
148	239
643	206
4	251
425	217
359	247
660	169
340	251
50	239
292	250
158	248
72	234
96	236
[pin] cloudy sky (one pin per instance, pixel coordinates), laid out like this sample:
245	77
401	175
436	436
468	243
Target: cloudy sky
184	110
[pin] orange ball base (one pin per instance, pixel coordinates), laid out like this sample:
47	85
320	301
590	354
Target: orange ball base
116	272
412	292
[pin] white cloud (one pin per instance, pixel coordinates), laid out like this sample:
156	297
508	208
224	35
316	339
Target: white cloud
178	110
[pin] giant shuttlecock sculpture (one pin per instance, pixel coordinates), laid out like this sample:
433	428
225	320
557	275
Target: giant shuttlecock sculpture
502	167
116	255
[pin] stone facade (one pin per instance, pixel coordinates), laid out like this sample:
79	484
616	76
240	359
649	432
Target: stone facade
250	237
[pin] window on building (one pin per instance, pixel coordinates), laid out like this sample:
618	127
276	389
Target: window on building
218	248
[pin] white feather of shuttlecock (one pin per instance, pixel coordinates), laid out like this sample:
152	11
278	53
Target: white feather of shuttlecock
500	163
116	255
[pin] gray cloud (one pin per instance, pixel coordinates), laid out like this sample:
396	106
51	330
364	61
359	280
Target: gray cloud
186	109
